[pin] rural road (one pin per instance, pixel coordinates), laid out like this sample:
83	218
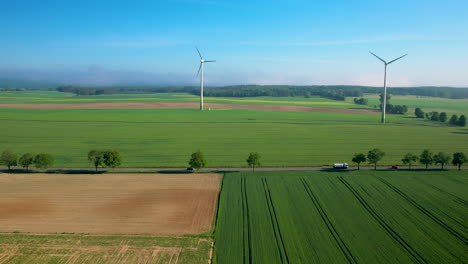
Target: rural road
86	170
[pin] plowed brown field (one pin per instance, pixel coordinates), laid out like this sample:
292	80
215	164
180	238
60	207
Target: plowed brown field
159	105
157	204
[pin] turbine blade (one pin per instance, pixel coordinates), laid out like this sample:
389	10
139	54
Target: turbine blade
378	57
199	53
210	61
199	69
397	59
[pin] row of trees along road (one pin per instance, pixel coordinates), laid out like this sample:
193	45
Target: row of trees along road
426	157
198	161
105	158
41	161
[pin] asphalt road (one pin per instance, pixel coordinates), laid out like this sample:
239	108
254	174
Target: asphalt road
90	170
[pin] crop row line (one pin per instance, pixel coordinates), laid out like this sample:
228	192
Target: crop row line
274	223
392	233
455	197
247	256
426	212
341	244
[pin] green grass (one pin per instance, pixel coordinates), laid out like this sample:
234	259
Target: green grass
343	217
71	248
41	96
167	137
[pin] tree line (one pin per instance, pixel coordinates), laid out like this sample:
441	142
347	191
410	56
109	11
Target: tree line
440	117
336	92
426	158
113	158
122	90
41	160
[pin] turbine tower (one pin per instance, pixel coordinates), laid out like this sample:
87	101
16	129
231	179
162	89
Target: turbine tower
384	106
202	61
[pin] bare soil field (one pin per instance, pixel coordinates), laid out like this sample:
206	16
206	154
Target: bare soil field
178	105
156	204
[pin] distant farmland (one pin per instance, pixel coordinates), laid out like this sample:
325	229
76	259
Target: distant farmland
166	137
348	217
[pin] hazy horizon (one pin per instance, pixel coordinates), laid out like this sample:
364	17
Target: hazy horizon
254	42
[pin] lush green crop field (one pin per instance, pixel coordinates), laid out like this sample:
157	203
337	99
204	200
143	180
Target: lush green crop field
58	97
343	217
167	137
70	248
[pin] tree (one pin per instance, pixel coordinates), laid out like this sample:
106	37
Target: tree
443	117
26	160
96	157
43	160
426	157
358	158
462	121
435	116
198	160
111	158
453	120
361	101
419	112
253	160
374	156
409	158
458	159
442	159
9	158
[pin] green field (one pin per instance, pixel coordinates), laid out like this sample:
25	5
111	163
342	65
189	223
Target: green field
167	137
428	104
459	106
33	97
71	248
343	217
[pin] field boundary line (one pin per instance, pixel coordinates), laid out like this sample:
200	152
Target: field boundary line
246	222
274	223
425	212
393	234
215	224
336	236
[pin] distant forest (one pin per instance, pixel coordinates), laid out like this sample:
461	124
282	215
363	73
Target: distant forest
335	92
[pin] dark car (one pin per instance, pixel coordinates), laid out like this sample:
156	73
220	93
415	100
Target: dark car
190	169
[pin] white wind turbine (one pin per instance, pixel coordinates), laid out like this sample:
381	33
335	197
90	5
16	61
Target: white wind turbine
202	61
384	106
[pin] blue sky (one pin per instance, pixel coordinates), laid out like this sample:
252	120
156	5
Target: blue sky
254	42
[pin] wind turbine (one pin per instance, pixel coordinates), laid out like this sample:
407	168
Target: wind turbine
202	61
384	107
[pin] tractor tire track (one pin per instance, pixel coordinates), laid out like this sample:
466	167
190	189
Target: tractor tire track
392	233
274	222
423	210
336	236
